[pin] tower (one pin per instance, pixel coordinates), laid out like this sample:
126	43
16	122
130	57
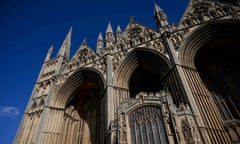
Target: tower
177	84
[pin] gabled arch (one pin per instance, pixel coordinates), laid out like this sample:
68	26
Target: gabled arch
63	95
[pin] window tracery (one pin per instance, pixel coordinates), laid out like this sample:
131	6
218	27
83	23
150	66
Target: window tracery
147	126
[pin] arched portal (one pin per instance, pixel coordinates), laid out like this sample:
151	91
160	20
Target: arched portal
141	71
217	62
84	108
211	55
86	99
148	73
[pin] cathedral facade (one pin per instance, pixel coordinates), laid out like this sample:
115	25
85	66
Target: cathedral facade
177	84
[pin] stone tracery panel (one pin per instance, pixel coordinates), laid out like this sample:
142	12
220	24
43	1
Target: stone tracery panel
146	126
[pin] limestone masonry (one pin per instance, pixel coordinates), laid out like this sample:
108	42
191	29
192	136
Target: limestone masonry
179	84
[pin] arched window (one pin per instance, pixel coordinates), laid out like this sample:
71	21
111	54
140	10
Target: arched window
147	126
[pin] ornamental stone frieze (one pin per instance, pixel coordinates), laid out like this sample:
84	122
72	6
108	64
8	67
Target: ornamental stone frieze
203	11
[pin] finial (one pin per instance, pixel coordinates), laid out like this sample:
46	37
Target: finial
65	47
49	53
84	42
100	36
109	28
119	28
131	18
51	48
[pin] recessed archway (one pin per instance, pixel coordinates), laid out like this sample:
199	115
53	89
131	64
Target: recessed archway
82	96
217	63
142	70
211	58
147	76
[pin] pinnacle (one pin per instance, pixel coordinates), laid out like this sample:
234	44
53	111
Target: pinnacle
109	28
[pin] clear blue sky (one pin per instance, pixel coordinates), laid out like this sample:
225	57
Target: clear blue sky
28	28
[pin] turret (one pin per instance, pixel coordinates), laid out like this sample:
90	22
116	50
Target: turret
109	36
160	18
99	44
49	53
119	33
64	51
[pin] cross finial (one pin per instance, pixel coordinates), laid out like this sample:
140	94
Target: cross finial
84	41
131	18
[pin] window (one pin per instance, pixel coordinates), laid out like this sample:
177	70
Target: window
147	127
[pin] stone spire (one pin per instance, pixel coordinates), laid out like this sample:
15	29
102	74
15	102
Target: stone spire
109	28
49	53
119	33
160	18
65	47
99	43
109	36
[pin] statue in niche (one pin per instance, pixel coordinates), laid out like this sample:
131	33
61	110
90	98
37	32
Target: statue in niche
187	132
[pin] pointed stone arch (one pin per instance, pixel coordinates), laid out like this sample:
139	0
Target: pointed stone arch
209	52
77	110
135	57
202	36
142	69
63	95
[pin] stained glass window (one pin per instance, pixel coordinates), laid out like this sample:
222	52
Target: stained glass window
146	126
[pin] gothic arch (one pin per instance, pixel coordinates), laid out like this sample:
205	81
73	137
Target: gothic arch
213	51
138	106
141	71
82	104
202	36
210	55
136	57
63	95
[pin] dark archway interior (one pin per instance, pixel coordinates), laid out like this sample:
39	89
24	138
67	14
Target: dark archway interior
218	64
230	1
86	99
148	74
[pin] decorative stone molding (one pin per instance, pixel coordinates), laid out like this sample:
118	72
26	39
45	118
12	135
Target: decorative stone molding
205	11
59	80
161	100
36	107
100	64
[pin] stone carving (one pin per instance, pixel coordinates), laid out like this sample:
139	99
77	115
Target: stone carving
59	80
100	64
117	59
205	11
186	128
177	39
86	56
36	108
